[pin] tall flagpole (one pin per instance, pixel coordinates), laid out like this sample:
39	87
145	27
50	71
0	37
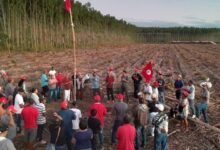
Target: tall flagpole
74	54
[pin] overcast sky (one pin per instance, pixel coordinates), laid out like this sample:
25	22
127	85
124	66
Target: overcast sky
199	13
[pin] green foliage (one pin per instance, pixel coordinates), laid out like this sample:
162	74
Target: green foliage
45	25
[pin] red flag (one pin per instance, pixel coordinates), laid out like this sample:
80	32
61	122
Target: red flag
68	6
147	72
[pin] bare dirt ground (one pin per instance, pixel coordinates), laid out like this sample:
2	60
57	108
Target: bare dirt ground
192	61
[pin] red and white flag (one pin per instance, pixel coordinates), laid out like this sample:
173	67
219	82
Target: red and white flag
147	72
68	5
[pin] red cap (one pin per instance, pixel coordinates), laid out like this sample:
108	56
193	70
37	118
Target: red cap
23	77
120	97
155	84
64	104
185	93
97	98
3	100
11	108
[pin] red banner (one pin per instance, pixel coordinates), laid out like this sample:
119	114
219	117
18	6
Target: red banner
68	6
147	72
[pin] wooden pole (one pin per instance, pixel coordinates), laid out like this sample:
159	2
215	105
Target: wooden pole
74	54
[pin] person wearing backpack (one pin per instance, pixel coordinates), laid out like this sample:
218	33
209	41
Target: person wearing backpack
160	122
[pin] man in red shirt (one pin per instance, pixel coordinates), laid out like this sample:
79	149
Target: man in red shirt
101	113
109	85
67	85
126	134
30	114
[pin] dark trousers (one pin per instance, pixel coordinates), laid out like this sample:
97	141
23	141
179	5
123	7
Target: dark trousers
45	90
18	122
124	91
95	141
115	127
96	92
40	129
136	90
178	94
110	94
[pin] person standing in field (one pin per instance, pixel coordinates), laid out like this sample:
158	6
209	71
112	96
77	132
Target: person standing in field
9	90
119	111
161	89
147	90
126	134
110	79
178	86
191	98
44	83
59	78
202	107
80	86
78	115
160	122
22	83
101	113
140	121
67	85
95	81
19	105
124	84
30	115
155	89
137	78
52	87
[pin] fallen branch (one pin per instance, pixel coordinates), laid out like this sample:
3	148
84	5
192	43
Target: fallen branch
178	130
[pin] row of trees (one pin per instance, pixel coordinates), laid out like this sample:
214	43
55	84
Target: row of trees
44	24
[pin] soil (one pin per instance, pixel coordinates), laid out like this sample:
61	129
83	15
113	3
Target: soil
193	61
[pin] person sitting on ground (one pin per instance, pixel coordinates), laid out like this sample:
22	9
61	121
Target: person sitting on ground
30	115
178	86
160	122
137	78
191	98
184	104
126	134
41	120
7	119
101	113
57	133
5	143
202	107
95	125
68	116
119	111
78	115
140	122
82	138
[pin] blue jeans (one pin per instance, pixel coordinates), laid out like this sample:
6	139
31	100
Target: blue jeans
160	141
161	96
58	92
202	108
141	137
192	105
115	127
18	122
53	95
101	138
63	147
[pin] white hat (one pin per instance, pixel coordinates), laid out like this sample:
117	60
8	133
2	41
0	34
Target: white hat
140	93
160	107
208	84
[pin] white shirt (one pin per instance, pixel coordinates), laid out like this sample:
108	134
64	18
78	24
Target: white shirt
18	101
148	90
78	116
52	72
155	91
192	92
35	97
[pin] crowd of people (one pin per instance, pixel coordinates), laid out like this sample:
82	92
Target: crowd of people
136	117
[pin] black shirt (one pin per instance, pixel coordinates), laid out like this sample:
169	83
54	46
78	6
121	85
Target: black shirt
94	124
136	77
54	128
161	85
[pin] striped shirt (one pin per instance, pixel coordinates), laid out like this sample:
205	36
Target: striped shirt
41	109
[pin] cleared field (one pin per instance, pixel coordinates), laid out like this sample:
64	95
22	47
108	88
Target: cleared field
192	61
